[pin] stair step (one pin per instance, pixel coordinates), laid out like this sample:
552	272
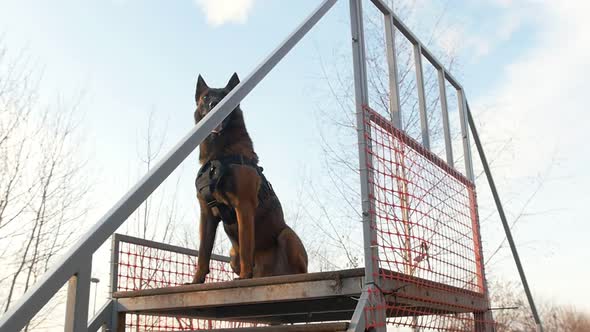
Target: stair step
323	327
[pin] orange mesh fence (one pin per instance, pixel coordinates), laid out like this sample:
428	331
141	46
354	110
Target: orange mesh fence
426	230
144	265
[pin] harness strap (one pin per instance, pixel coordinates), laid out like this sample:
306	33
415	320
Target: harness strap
210	176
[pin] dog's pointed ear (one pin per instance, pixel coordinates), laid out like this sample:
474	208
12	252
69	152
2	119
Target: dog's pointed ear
201	87
233	81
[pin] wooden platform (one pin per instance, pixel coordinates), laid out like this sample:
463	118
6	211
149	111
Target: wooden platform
312	297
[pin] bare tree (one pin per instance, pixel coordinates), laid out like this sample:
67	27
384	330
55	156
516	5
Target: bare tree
43	186
511	312
157	217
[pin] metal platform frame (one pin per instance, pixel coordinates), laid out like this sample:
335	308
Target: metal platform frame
303	298
345	292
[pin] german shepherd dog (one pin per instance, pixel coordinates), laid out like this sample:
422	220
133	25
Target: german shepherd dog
240	196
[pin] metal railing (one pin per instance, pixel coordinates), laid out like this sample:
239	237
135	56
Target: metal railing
393	24
140	264
75	266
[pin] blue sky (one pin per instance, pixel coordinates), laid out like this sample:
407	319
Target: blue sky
522	63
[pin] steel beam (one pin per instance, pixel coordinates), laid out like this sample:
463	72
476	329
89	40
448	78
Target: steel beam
362	99
394	100
103	318
26	308
78	299
462	102
421	96
114	277
371	249
445	116
358	320
166	247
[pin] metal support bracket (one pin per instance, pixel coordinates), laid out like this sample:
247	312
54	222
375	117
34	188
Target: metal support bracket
370	310
103	318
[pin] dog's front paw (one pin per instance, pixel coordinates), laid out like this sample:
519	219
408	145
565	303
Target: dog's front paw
244	276
198	279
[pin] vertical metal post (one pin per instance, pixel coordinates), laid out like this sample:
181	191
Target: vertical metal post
395	110
119	322
500	208
396	119
362	99
421	95
394	101
78	299
114	277
462	100
115	323
445	115
483	320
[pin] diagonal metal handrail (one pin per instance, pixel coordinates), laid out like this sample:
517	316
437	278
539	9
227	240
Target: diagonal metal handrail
26	308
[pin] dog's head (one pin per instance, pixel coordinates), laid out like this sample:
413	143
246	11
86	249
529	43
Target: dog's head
207	98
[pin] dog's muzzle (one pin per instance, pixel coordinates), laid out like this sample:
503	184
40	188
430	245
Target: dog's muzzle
217	130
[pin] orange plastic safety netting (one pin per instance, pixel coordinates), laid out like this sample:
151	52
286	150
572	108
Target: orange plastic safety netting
147	265
426	229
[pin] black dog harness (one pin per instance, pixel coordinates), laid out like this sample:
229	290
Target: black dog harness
211	177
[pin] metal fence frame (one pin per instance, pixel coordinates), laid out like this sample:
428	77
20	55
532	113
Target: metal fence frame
117	239
75	266
393	24
108	316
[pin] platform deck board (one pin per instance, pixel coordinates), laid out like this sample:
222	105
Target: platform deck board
308	297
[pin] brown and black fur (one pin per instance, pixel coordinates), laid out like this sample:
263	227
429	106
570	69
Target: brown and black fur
262	243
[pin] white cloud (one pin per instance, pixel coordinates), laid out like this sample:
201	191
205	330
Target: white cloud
455	38
541	105
542	99
482	43
220	12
